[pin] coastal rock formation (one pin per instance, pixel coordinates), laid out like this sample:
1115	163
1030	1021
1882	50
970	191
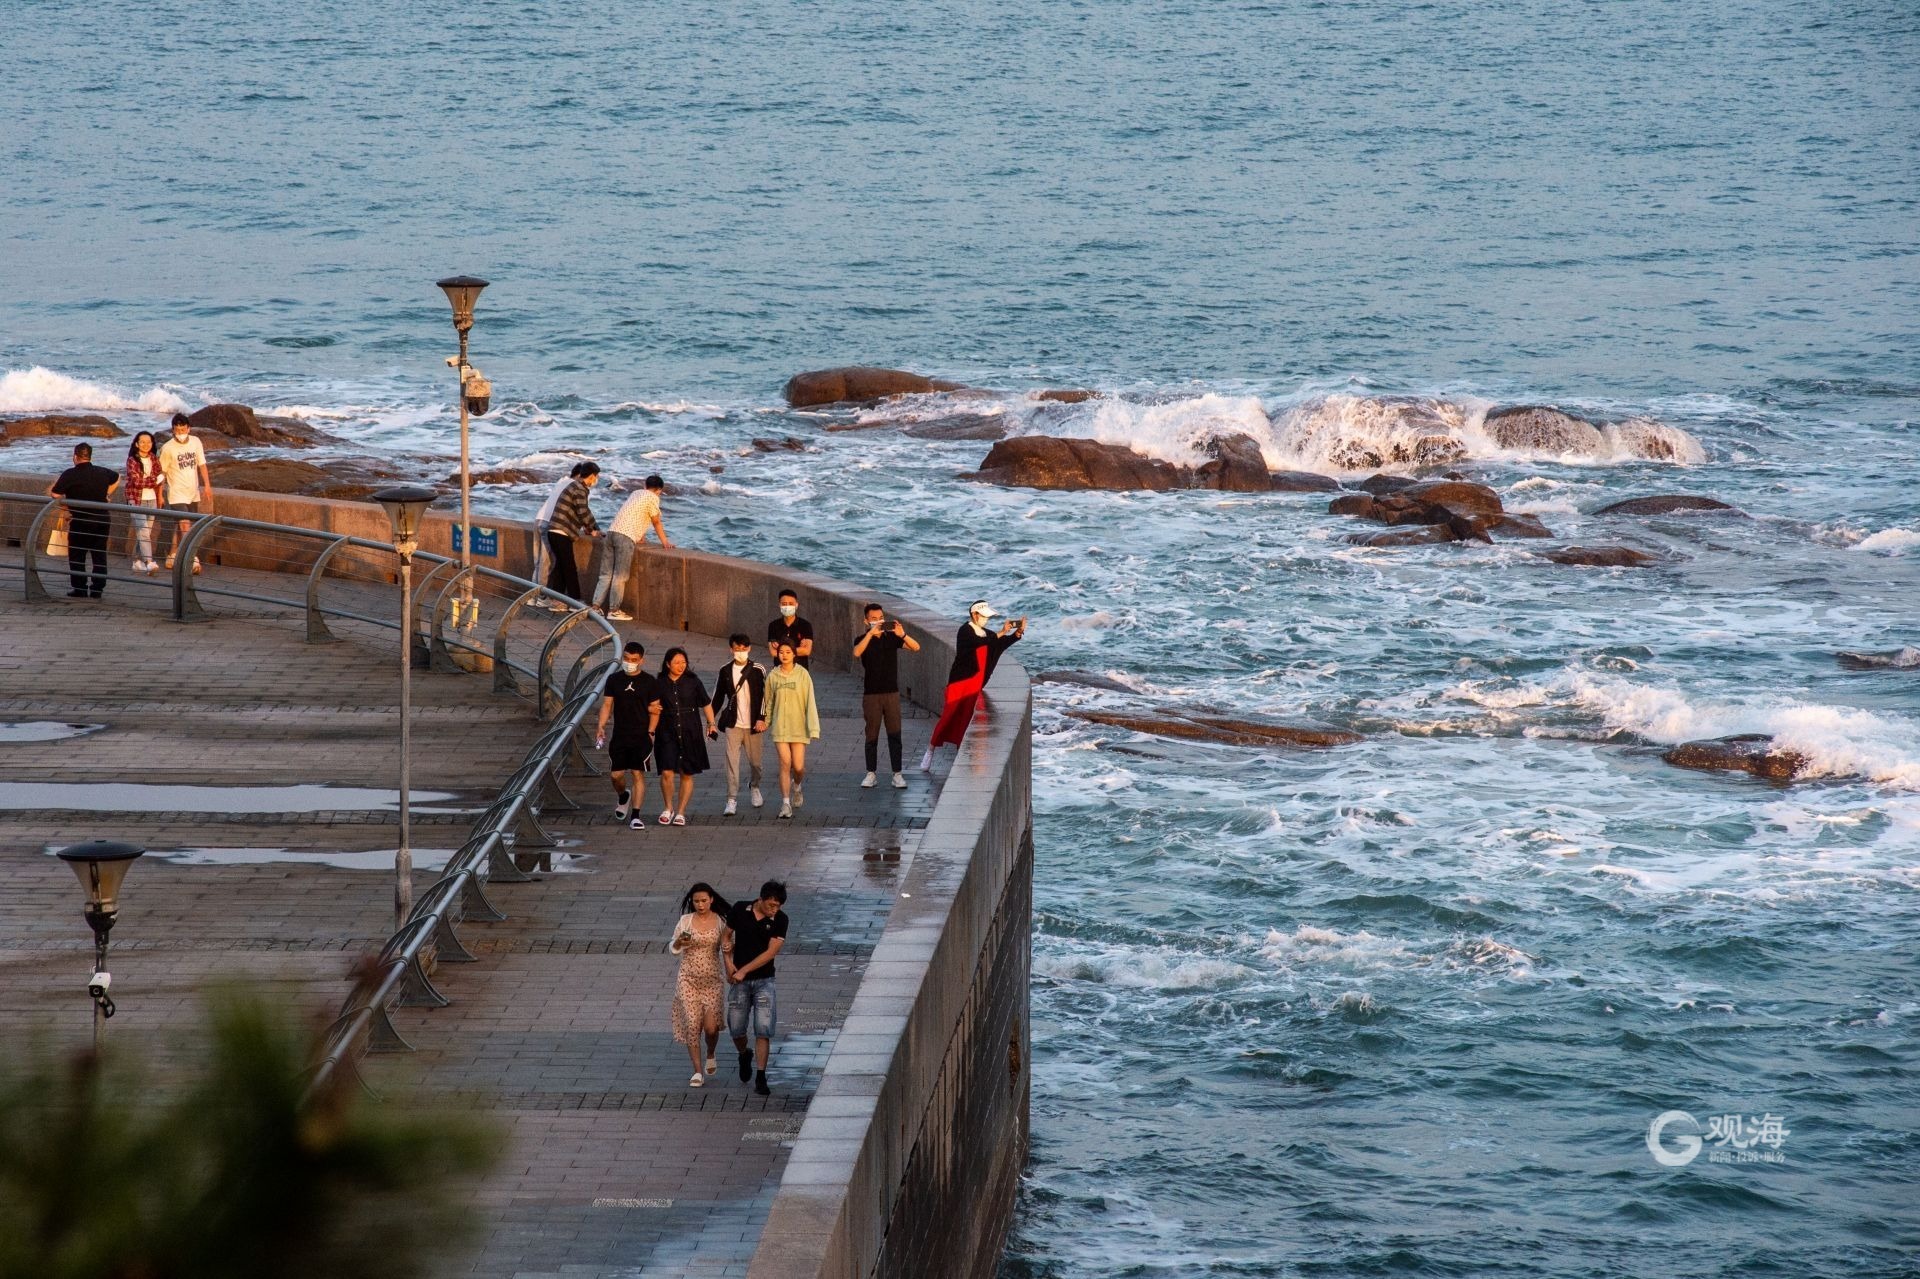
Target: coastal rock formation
1234	465
791	444
961	426
1424	512
1537	428
1894	659
1085	679
242	426
350	479
1064	462
1302	482
1747	753
1666	504
1512	525
1600	556
506	475
1413	535
857	383
1066	395
41	426
1229	732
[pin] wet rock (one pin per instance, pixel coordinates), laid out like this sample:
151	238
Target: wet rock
1055	462
350	479
1230	732
1746	753
1085	679
1066	395
1537	428
1666	504
1896	659
1359	505
789	444
1456	497
1512	525
1600	556
1234	465
507	475
964	426
1380	485
1416	535
1302	482
857	383
44	425
242	425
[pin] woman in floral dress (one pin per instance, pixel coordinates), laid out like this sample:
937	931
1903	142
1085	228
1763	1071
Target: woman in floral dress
699	997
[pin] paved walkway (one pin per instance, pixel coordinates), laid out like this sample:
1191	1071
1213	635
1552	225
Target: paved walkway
615	1166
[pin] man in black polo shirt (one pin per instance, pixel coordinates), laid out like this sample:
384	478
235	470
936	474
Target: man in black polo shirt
756	931
631	698
86	529
791	628
878	649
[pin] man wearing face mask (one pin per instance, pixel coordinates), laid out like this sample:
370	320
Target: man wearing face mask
976	651
791	628
740	713
631	699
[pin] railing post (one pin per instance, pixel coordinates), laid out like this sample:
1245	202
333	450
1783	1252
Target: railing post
441	659
317	632
186	601
30	555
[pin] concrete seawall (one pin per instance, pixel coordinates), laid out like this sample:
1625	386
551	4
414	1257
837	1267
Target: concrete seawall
909	1156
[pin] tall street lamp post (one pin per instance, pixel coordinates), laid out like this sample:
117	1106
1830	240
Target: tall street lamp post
405	505
475	393
101	866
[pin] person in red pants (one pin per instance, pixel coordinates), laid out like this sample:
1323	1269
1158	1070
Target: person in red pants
976	651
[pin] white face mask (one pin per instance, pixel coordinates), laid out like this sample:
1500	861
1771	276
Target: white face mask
740	659
633	668
788	610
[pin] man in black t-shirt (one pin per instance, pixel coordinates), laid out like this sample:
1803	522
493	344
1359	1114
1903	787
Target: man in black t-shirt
878	648
631	698
791	628
756	931
86	530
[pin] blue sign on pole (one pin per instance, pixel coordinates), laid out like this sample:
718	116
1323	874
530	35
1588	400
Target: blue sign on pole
486	541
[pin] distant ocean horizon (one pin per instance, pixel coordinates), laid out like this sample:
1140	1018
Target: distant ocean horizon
1411	1006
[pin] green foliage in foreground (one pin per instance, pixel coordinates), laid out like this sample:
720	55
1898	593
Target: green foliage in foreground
100	1178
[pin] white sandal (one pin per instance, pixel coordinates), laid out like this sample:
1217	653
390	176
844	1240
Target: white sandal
696	1081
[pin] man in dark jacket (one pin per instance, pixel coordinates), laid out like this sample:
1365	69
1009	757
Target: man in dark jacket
86	529
740	712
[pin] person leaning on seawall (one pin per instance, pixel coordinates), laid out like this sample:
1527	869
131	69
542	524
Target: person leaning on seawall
639	513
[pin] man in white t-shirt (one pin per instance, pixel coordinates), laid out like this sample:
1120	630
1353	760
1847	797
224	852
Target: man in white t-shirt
638	513
544	521
183	471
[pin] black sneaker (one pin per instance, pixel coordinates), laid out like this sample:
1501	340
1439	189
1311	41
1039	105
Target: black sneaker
746	1064
760	1083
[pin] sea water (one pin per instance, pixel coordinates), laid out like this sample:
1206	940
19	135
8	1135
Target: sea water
1404	1007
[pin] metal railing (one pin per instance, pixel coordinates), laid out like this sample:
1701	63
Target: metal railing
400	973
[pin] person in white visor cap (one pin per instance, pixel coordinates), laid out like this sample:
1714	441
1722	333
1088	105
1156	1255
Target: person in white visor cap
976	651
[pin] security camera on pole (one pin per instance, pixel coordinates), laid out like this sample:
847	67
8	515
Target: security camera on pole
476	394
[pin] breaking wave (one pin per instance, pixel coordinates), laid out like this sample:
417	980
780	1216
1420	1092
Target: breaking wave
41	390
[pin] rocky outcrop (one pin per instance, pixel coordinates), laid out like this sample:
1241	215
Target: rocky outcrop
1600	556
506	475
242	426
41	426
1233	465
1424	512
1229	732
1065	395
1302	482
1536	428
1085	679
1512	525
1667	504
1414	535
351	479
1747	753
1893	659
1063	462
856	384
961	426
789	444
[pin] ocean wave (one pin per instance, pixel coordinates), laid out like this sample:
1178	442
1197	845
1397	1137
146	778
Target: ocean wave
41	390
1892	541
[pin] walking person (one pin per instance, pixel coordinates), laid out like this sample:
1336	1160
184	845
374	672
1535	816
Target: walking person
679	746
791	628
631	699
145	482
740	710
793	718
572	517
700	992
183	461
878	649
756	931
542	522
638	514
975	654
87	530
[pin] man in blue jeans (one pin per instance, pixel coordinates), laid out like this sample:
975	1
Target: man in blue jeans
756	931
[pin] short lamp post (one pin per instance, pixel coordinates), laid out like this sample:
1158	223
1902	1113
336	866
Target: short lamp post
405	505
475	395
101	866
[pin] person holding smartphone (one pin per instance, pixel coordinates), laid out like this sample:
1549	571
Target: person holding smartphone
976	651
878	648
699	994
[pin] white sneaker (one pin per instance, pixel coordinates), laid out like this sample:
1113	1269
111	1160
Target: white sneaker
786	809
755	795
733	806
618	616
866	783
926	761
899	781
799	794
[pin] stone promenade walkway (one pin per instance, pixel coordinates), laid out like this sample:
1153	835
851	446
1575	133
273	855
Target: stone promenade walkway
614	1165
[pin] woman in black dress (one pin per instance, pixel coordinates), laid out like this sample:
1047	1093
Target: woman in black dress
680	743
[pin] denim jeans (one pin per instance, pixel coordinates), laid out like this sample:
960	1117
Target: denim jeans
752	1002
611	592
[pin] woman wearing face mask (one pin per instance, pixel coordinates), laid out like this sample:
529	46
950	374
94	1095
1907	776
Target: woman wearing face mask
976	651
679	746
144	480
700	993
793	719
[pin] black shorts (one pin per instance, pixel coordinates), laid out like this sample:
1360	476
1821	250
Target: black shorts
629	755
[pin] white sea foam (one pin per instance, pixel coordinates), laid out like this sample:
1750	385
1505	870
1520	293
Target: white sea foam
1892	541
41	390
1141	970
1308	946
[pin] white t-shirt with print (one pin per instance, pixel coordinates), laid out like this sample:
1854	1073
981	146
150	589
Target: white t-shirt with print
180	462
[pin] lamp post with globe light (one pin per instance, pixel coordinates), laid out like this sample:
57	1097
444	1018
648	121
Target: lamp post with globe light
475	395
101	866
405	505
